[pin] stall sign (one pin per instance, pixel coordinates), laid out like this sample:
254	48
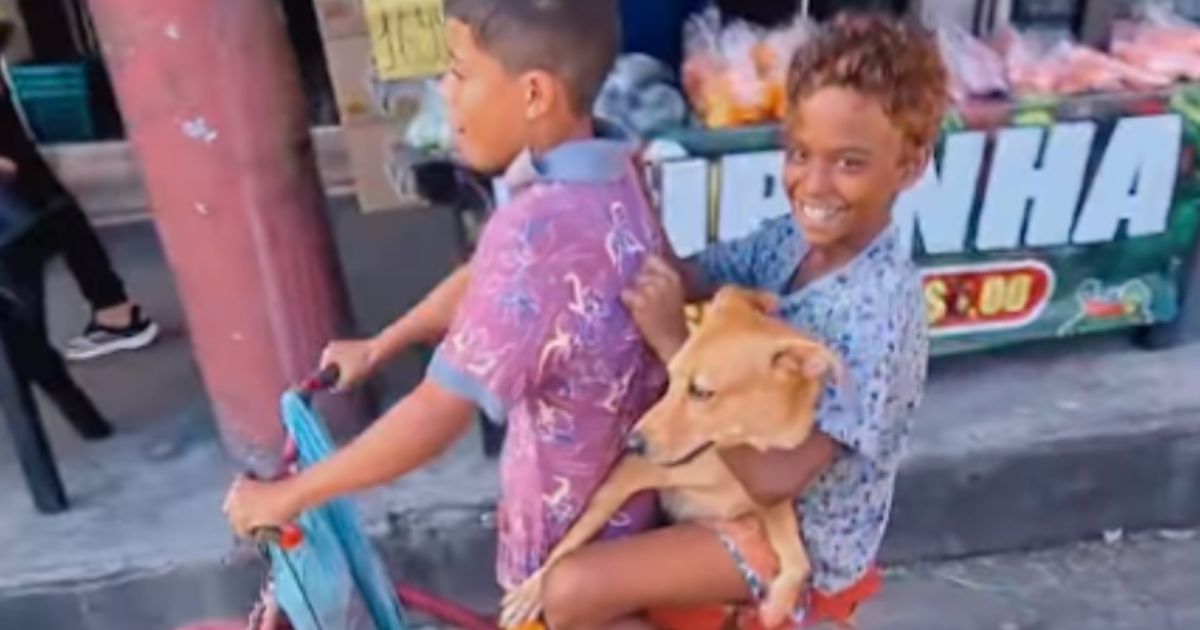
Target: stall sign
407	38
963	299
1082	220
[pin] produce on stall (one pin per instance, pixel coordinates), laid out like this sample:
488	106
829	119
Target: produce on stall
735	74
976	70
1160	42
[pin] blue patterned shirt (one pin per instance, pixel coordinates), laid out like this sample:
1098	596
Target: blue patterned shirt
871	313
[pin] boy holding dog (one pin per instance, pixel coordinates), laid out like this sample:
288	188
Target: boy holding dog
866	99
533	330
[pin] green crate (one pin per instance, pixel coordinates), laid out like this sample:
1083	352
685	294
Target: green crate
57	100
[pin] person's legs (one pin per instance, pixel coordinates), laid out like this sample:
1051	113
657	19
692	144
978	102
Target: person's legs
63	226
22	321
608	584
117	323
70	232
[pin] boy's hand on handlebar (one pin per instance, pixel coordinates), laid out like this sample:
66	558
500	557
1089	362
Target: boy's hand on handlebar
251	504
356	360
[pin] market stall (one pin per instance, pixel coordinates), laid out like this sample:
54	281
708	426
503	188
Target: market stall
1064	198
1042	218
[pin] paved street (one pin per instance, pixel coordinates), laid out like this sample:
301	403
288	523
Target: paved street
1146	582
1149	582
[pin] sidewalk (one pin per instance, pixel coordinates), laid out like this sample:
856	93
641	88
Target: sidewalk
1147	583
1037	446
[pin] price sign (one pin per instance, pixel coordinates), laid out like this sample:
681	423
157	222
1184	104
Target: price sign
408	38
971	298
986	297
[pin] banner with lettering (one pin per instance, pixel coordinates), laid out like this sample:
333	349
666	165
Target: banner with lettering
1039	219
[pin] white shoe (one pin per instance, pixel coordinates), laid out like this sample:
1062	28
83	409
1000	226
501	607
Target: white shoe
98	340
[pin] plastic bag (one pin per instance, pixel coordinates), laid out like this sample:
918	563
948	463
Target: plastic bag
430	129
1089	70
773	57
975	69
1031	70
1159	41
719	76
737	74
642	96
1051	63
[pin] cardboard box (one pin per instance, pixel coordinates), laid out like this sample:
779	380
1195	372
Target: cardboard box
379	161
350	70
375	114
341	18
361	97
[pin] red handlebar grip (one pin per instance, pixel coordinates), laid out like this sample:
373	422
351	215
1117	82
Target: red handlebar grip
290	537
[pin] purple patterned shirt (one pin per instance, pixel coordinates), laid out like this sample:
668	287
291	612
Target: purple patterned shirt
542	341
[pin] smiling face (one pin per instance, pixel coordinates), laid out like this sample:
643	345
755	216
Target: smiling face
487	104
866	98
743	378
846	163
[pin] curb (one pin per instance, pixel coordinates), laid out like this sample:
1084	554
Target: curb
1047	494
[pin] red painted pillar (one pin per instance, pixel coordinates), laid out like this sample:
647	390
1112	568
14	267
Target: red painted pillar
211	98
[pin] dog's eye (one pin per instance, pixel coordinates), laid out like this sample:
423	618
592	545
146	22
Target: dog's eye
699	393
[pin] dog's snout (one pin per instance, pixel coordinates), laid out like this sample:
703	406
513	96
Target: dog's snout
636	444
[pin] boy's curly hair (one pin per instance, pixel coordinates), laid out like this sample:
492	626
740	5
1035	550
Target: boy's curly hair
894	62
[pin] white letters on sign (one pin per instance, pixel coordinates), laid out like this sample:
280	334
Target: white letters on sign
1036	178
752	191
685	205
1135	182
749	191
1035	192
942	205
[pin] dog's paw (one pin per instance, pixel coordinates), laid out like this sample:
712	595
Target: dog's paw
773	617
521	608
781	601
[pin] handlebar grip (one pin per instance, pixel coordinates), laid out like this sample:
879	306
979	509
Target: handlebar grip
288	537
325	379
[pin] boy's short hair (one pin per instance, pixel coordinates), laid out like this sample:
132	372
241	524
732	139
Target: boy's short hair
895	62
574	40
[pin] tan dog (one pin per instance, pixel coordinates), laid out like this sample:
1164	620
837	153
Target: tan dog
743	378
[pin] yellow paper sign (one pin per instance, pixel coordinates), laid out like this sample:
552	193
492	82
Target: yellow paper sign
408	38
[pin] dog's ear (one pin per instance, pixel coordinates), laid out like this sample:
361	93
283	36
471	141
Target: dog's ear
801	366
731	297
806	359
